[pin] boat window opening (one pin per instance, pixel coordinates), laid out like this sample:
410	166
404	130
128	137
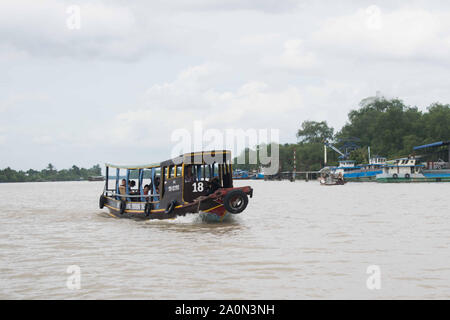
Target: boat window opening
107	178
217	173
193	170
117	183
163	181
171	172
123	184
227	179
132	184
202	174
158	173
140	186
178	171
146	186
125	190
189	174
197	172
110	181
156	182
217	170
208	169
220	170
206	172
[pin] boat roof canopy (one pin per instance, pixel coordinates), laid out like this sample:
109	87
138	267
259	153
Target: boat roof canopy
132	167
431	145
204	157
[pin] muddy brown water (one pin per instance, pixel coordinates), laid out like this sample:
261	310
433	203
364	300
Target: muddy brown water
295	241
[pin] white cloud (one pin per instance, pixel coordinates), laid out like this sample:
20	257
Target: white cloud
269	6
106	30
259	39
43	140
403	33
17	99
177	104
115	30
294	57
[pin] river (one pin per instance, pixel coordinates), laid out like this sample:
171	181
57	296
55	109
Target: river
295	241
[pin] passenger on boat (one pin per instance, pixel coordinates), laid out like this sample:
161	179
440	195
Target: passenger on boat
214	185
123	188
188	177
157	183
132	192
146	191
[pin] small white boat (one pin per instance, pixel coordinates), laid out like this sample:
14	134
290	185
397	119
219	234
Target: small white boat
329	178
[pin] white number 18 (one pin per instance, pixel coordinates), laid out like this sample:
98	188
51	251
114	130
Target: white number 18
198	187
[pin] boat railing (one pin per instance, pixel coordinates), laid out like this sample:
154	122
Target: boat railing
149	196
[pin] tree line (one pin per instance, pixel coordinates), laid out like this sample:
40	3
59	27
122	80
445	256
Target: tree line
49	174
388	126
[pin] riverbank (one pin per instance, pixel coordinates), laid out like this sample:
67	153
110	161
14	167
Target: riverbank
49	174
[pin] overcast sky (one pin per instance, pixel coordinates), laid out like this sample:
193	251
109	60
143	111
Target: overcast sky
116	88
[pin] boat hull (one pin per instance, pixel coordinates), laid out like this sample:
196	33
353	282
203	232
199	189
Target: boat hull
362	175
332	182
211	205
427	176
136	210
411	180
361	179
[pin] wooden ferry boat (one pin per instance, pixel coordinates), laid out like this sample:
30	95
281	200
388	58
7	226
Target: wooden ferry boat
191	183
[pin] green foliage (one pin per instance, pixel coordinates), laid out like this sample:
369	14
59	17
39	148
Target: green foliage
392	129
437	122
360	155
315	132
389	127
309	157
49	174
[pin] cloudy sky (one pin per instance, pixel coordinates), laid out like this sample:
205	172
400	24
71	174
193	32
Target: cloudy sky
114	89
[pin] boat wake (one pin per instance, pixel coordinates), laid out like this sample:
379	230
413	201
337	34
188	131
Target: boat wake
201	218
